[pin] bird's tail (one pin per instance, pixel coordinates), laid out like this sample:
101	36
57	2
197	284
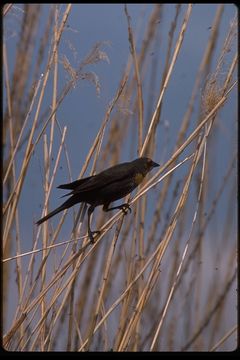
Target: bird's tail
70	202
52	213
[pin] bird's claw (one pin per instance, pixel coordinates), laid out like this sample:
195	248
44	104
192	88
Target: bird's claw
90	234
125	208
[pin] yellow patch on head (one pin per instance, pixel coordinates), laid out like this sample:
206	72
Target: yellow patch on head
138	178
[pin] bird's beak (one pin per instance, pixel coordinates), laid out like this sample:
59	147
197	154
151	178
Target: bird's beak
155	164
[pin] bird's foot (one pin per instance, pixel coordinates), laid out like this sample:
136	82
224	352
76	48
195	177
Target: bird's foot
125	208
91	233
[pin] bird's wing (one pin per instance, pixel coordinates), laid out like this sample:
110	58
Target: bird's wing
113	174
74	184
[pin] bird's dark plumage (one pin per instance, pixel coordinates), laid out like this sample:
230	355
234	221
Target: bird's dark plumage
109	185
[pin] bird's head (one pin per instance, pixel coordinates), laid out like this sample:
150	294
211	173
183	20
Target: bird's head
145	165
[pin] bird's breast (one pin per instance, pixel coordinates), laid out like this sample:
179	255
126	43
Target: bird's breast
138	178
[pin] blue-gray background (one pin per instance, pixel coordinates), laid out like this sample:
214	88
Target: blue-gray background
82	111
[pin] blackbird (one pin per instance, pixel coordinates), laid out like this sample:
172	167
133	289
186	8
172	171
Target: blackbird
109	185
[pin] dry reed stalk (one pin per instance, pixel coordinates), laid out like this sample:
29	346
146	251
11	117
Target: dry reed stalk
224	338
179	269
176	52
138	80
155	269
186	120
30	147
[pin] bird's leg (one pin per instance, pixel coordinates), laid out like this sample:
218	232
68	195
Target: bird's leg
90	233
124	207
